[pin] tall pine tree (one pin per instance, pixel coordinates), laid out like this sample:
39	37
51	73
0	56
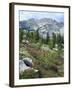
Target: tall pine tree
54	39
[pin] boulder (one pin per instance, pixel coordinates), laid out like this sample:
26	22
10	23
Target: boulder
22	66
25	64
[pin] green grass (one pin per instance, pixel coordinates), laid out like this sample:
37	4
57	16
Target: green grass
49	66
49	63
28	74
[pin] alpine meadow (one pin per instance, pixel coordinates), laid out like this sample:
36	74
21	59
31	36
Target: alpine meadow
41	44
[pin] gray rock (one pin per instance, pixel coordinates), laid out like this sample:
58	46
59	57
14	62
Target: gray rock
25	64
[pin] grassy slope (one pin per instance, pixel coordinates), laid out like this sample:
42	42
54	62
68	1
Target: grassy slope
49	64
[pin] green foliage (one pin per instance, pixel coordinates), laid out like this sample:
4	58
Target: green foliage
50	44
21	34
48	38
28	74
54	39
37	36
48	63
60	41
27	34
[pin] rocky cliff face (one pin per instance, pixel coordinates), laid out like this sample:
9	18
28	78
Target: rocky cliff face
44	25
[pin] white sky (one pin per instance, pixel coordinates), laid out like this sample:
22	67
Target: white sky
25	15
